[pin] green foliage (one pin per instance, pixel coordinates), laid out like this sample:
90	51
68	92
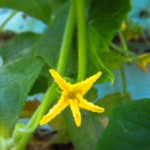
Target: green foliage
19	46
128	127
26	55
85	137
16	80
110	101
97	65
113	60
17	76
51	43
51	40
105	19
40	9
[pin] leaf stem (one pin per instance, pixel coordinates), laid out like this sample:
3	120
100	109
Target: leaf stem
67	38
82	49
14	12
123	42
124	85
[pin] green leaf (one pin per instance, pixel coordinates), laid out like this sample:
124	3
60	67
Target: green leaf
128	127
52	40
91	95
40	85
95	65
40	9
21	45
84	137
111	101
104	21
16	79
112	60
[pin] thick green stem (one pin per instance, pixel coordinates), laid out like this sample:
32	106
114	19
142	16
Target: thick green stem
35	119
67	38
8	19
82	49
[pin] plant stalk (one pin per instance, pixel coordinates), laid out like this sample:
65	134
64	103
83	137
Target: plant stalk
82	49
67	38
35	119
124	84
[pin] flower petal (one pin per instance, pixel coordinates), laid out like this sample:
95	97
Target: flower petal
84	86
75	111
89	106
60	81
57	109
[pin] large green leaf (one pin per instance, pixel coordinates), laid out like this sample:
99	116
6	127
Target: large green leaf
128	128
21	45
16	79
49	45
104	20
37	8
17	76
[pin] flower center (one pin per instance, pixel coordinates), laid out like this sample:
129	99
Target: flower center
72	95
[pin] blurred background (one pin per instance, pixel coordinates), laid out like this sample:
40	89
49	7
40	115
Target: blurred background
133	80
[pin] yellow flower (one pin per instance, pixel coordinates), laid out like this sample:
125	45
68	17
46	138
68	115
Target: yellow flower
143	62
72	94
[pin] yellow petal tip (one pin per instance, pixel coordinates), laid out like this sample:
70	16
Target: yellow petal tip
99	73
78	122
51	70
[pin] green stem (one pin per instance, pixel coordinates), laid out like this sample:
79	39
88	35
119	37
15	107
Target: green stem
124	85
123	42
82	49
121	50
14	12
47	102
67	38
116	47
35	119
